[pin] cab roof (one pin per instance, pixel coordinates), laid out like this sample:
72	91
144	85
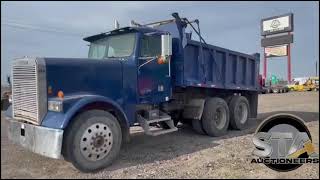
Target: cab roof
123	30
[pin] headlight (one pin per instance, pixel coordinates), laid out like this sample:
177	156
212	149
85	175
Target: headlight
10	98
55	106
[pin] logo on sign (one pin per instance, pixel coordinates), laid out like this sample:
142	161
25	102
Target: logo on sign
275	23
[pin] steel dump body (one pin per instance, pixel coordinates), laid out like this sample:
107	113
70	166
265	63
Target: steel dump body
219	68
204	65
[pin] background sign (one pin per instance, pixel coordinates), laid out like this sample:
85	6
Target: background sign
277	40
276	51
274	40
277	24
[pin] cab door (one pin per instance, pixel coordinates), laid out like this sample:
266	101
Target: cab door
153	72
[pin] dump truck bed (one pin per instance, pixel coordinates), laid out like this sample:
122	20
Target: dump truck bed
219	68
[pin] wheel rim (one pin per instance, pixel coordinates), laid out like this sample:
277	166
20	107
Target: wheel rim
220	117
96	142
242	112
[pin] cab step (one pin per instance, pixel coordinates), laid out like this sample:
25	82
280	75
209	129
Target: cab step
163	117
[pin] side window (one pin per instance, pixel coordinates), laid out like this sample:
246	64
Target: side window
150	46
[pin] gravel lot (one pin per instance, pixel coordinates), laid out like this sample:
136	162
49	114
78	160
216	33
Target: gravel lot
182	154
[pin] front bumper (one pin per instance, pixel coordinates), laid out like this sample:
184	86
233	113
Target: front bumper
41	140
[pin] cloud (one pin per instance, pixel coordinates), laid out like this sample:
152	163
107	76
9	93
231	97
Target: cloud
233	25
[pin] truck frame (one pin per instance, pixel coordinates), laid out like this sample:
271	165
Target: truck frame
152	75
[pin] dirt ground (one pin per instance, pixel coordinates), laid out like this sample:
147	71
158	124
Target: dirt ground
182	154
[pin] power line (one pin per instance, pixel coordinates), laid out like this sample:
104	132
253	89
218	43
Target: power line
24	23
41	29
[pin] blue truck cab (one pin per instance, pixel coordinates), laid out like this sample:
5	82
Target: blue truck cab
152	75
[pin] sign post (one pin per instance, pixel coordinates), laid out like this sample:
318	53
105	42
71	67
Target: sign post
279	43
289	62
264	64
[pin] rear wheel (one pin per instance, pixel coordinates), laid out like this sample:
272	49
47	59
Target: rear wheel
239	112
92	141
215	117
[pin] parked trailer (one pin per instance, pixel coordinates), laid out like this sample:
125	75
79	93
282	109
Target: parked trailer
153	75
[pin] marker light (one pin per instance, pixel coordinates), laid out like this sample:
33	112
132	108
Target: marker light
49	90
161	60
60	94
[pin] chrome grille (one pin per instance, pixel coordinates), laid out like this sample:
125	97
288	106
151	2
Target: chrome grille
29	90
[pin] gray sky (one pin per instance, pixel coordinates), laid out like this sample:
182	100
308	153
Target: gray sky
232	25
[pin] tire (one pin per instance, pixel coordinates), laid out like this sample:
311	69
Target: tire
275	90
268	91
215	117
197	126
105	143
239	112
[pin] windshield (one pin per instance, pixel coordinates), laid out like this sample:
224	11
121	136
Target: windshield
112	46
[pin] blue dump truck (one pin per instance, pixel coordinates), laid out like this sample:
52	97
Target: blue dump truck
152	75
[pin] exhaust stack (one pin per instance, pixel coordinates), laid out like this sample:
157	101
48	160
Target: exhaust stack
116	24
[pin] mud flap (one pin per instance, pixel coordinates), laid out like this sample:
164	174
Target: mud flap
194	109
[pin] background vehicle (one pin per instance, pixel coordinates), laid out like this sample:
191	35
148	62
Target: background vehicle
312	84
151	75
275	85
305	84
6	95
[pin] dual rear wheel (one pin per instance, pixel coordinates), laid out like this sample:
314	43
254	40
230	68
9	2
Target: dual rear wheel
217	116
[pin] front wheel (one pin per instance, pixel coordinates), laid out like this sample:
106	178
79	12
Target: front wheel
92	141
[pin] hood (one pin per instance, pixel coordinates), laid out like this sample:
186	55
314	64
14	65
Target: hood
92	76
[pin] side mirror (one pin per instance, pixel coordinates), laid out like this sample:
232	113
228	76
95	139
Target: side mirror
166	45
